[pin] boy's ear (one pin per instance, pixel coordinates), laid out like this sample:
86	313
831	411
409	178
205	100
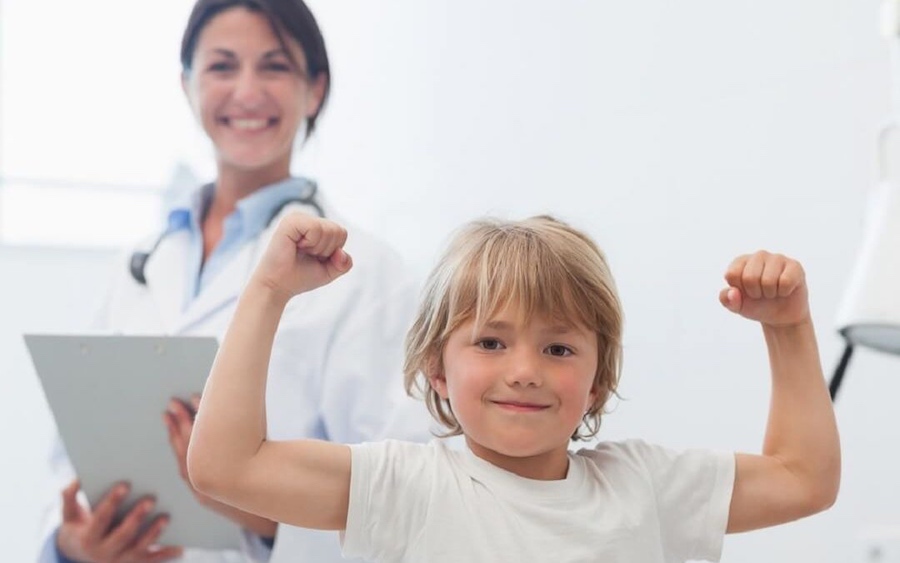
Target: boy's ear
436	377
596	394
439	384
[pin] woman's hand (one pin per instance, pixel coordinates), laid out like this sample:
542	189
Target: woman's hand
92	536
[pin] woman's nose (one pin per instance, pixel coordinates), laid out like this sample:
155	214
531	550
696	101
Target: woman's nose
249	91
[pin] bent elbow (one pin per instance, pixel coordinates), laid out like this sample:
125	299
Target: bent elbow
823	496
202	474
829	494
826	498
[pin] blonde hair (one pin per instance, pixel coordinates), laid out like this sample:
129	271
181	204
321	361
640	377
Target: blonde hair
540	264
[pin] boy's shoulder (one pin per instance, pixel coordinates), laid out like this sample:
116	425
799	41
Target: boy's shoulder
639	455
620	449
433	450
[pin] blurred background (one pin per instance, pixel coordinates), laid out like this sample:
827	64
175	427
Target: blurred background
678	134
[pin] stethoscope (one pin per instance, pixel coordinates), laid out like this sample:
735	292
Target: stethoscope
139	259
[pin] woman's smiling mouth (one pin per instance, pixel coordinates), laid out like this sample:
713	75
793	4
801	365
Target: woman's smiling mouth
250	125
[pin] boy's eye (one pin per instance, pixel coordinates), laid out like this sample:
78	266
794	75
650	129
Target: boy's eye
559	350
489	344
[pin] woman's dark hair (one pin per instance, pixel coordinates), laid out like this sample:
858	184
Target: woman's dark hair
286	16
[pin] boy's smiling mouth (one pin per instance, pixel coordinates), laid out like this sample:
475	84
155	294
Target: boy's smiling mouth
520	406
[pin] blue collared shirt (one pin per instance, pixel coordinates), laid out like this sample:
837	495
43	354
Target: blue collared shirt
250	217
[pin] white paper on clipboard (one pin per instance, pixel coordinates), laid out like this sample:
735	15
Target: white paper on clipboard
108	394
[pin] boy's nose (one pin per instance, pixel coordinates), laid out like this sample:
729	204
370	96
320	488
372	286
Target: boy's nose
525	370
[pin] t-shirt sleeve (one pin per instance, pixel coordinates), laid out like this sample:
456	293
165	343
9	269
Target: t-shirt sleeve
390	484
693	491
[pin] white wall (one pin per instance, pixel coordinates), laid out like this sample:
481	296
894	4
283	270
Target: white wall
678	134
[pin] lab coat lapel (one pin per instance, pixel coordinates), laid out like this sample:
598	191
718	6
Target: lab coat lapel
167	277
223	289
226	287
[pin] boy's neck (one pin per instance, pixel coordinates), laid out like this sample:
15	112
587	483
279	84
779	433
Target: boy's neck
552	465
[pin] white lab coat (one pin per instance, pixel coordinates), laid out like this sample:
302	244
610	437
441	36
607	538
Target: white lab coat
335	371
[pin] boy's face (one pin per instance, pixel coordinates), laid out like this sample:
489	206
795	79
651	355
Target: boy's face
518	390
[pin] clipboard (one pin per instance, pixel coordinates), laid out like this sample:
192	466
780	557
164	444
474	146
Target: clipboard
107	394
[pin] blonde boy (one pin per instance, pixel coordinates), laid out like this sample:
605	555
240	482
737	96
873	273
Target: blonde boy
516	346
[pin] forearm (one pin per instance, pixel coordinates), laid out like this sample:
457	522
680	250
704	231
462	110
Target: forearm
231	421
801	432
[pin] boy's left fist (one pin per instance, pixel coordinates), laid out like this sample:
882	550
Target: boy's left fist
765	287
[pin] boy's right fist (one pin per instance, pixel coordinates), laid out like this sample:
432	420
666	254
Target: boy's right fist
305	252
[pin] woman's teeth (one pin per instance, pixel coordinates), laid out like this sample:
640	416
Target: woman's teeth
249	124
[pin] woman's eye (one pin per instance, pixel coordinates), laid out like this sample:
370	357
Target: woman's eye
559	350
489	344
221	67
279	67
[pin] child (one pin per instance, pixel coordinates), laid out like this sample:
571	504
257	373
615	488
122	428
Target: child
517	347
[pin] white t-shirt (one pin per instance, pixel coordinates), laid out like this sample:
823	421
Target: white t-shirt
622	502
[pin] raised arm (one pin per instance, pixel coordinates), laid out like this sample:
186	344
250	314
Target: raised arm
305	482
798	472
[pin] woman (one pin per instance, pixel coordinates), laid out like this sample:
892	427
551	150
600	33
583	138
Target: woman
256	75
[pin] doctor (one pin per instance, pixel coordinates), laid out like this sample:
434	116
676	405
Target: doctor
256	75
